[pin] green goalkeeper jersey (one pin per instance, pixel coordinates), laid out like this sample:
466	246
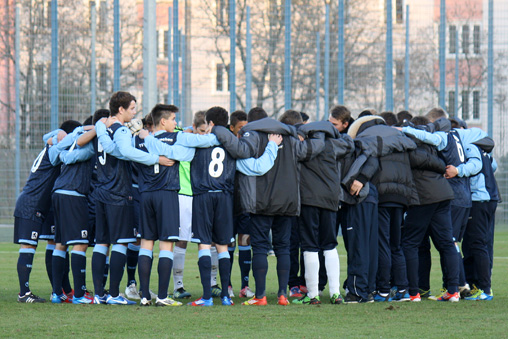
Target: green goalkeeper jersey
185	183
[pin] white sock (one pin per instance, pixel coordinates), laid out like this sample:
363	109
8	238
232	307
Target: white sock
311	260
178	266
215	264
332	265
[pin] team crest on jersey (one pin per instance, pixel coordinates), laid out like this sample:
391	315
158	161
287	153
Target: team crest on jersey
35	235
53	229
246	134
84	234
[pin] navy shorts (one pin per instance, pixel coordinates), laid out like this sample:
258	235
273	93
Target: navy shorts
26	231
114	224
160	215
241	224
48	227
317	229
71	219
212	218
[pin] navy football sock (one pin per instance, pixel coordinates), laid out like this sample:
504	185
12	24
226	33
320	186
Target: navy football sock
164	270
231	251
106	273
25	260
259	269
66	283
98	266
116	268
205	272
58	270
78	263
144	270
283	265
132	262
49	262
224	272
244	261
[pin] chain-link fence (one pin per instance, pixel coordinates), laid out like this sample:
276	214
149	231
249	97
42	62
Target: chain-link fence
331	52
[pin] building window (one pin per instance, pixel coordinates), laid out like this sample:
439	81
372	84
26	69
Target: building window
157	44
451	103
399	11
219	78
222	12
48	14
166	43
476	104
346	12
103	16
465	105
465	39
452	39
476	40
103	76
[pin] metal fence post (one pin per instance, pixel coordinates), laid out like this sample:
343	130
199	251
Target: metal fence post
287	55
54	65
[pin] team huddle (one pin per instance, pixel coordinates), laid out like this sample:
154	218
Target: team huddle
388	183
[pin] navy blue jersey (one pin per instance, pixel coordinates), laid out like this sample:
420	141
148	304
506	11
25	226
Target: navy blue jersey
453	154
490	180
157	177
212	169
114	176
34	201
75	177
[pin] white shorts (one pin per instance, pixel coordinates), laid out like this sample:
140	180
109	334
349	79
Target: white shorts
185	202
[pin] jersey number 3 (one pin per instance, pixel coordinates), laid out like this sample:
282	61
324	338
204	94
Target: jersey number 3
216	166
102	158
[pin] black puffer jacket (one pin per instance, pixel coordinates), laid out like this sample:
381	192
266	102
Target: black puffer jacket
320	177
394	180
428	169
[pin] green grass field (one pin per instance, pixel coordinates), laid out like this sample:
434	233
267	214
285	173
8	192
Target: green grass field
388	320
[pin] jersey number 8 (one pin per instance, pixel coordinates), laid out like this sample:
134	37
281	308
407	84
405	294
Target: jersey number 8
216	166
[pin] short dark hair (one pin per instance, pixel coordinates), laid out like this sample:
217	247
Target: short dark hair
199	119
69	125
161	111
420	120
88	121
389	117
366	112
218	115
291	117
237	116
256	113
99	114
120	99
341	113
305	116
404	115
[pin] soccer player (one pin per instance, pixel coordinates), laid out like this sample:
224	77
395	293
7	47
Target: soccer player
160	220
32	207
273	198
114	213
320	197
237	120
71	212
